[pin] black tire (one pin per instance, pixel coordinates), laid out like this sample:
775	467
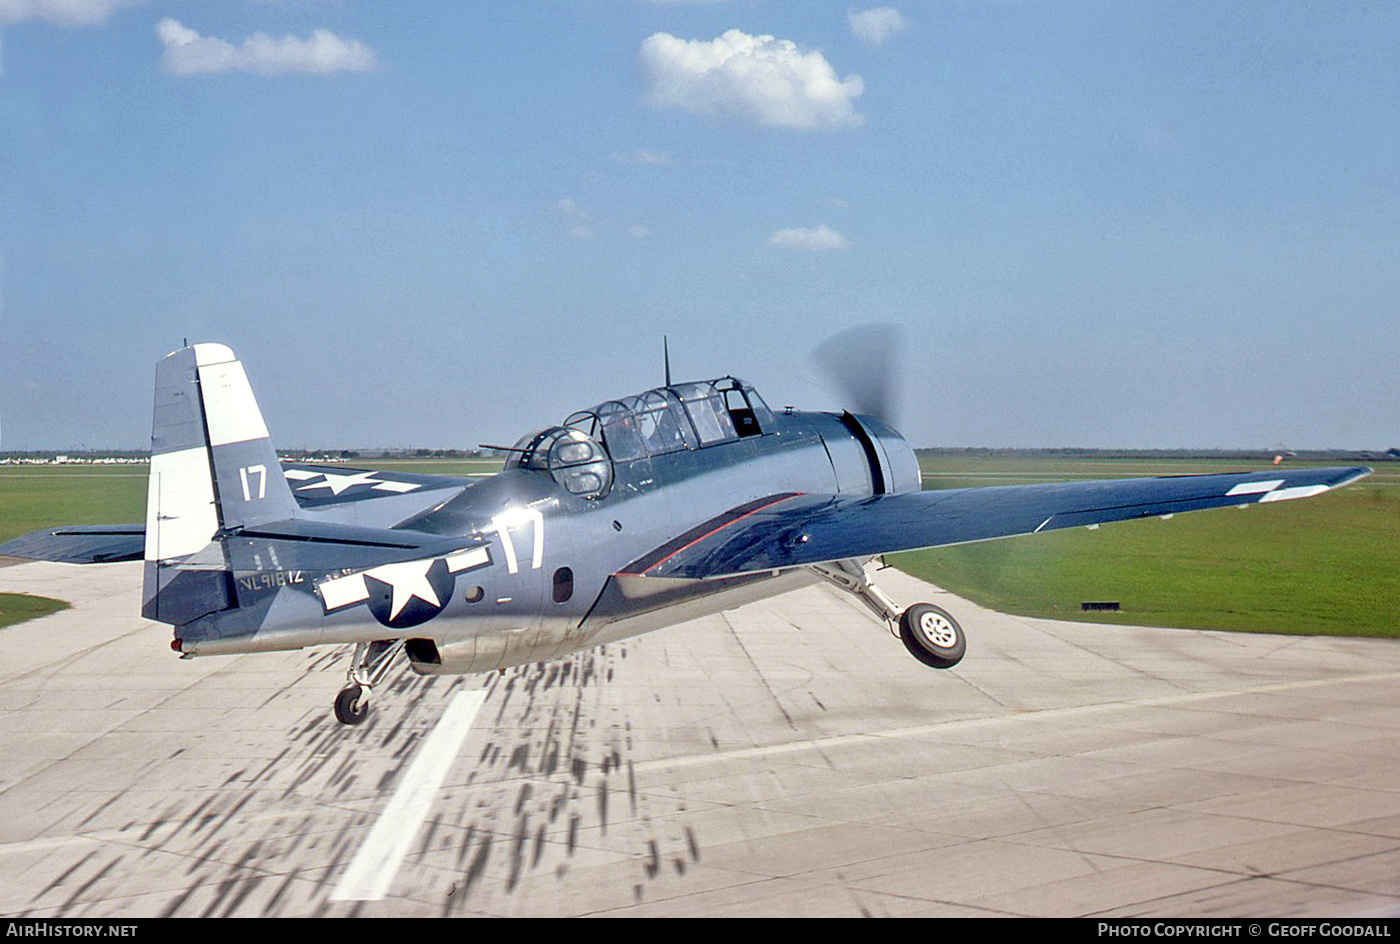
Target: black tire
351	707
932	635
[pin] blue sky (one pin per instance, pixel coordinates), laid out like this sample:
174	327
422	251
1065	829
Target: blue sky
1118	223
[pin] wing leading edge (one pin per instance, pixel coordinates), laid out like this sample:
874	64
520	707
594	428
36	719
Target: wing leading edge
796	530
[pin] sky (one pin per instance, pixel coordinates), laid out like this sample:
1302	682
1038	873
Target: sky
1096	223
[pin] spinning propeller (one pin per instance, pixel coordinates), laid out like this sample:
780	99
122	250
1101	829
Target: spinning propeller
862	362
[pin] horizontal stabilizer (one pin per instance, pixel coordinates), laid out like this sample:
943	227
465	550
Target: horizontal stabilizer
84	544
348	535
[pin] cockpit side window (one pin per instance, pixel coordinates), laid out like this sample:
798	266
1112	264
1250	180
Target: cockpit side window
620	435
747	411
659	422
585	421
707	412
760	409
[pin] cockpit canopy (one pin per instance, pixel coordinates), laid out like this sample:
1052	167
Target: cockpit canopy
675	417
660	421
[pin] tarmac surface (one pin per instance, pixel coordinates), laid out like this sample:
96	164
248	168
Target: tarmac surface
788	758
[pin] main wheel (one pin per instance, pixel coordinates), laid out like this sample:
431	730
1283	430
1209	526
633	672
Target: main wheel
932	635
351	706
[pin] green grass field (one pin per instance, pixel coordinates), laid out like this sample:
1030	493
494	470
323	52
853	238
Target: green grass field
1323	565
18	607
33	497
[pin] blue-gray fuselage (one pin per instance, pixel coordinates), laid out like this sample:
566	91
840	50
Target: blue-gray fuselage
521	567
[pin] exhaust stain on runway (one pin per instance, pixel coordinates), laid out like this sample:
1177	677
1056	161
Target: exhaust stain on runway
543	788
539	794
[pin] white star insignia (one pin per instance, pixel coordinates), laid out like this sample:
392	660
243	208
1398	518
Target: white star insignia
408	580
338	482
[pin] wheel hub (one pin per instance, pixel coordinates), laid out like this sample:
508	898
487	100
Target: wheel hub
937	630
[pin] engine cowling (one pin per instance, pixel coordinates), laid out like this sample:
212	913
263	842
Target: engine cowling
866	453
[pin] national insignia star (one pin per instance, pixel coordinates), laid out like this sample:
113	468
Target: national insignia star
338	482
407	581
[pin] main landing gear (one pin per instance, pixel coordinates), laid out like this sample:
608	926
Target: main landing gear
367	669
929	632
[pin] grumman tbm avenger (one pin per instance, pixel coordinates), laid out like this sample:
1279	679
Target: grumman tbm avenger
637	514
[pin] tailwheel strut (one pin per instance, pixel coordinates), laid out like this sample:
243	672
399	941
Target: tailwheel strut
367	669
929	632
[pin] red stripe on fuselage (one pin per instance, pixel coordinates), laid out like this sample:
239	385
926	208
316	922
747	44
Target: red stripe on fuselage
707	530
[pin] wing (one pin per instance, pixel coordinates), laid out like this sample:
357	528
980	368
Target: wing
375	497
792	530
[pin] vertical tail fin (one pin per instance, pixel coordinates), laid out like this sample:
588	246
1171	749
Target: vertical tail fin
213	469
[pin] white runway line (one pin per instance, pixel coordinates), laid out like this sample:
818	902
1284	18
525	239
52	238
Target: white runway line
374	866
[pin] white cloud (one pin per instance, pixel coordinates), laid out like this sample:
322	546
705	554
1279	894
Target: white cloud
323	52
819	239
642	156
876	25
580	221
754	78
61	12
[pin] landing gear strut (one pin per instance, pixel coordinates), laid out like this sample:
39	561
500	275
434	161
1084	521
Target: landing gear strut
367	669
929	632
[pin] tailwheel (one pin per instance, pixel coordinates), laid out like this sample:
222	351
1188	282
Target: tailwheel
352	705
932	635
